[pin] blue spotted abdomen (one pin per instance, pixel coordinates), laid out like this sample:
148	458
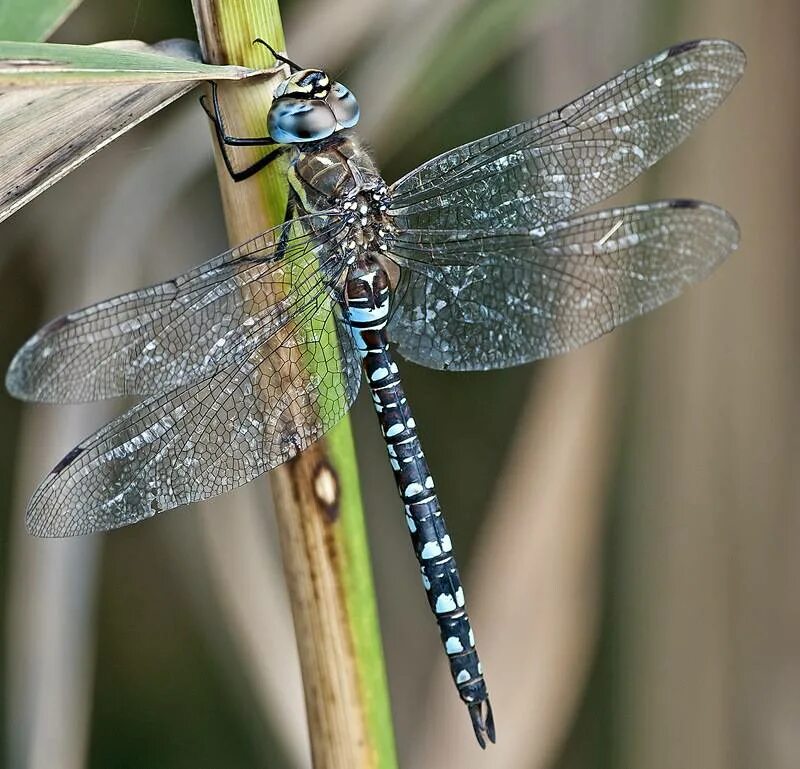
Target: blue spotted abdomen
367	311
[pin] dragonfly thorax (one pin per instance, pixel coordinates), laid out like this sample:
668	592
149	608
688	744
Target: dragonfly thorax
339	177
368	226
338	170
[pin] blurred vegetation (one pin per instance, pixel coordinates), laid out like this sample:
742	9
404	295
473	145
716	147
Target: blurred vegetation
692	659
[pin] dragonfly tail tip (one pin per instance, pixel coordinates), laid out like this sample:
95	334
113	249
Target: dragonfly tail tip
482	725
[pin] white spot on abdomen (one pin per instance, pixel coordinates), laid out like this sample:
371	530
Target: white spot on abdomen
412	489
453	645
430	550
444	603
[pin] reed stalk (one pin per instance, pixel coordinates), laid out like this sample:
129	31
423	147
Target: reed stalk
317	496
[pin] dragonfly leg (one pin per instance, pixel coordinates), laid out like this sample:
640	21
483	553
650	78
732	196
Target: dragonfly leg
225	140
291	208
216	118
294	67
246	173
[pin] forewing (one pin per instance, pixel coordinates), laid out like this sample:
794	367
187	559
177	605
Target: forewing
183	330
484	300
200	441
49	128
574	157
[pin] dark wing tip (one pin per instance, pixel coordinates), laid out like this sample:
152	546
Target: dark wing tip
688	45
684	203
730	49
46	517
726	226
705	42
68	459
724	217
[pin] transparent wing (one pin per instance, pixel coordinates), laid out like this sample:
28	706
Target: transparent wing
483	300
551	168
181	331
205	439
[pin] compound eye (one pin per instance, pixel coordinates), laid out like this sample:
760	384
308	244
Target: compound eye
344	105
291	121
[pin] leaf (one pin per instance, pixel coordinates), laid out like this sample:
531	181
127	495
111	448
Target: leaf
48	130
33	19
120	62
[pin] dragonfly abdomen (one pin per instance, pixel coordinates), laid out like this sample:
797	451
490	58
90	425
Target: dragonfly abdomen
367	296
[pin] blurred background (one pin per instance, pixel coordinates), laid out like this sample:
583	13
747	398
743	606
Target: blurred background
627	516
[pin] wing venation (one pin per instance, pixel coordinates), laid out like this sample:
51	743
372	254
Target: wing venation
177	332
484	300
202	440
548	169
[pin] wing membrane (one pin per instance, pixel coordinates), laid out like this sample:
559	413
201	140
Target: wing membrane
199	441
551	168
483	300
178	332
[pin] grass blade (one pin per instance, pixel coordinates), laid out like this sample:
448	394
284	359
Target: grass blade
123	62
74	100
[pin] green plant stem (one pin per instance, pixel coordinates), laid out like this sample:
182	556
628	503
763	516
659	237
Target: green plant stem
317	497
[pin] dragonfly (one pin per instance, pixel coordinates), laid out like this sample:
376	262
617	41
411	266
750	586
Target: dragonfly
487	256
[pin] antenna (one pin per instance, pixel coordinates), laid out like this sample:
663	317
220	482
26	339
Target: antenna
294	67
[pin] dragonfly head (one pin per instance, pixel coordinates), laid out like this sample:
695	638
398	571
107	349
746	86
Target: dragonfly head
309	106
